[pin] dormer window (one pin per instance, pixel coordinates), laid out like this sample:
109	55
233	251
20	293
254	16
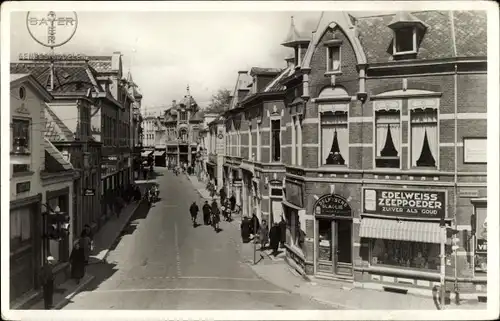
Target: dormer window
408	32
405	41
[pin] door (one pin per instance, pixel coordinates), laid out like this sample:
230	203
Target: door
325	246
343	247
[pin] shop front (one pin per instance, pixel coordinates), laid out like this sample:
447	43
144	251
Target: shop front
160	158
25	245
400	237
333	230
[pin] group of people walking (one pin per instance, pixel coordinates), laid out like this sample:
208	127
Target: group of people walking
252	229
211	214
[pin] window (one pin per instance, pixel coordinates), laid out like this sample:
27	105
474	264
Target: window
21	134
405	40
250	156
334	139
20	227
275	140
258	143
298	141
424	138
294	234
22	93
406	254
333	63
294	143
238	142
387	124
183	116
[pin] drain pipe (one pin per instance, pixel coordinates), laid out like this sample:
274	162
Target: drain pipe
455	185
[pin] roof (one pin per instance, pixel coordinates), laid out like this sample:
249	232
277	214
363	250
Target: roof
69	77
24	77
57	155
465	37
264	71
55	129
294	37
242	82
101	64
275	85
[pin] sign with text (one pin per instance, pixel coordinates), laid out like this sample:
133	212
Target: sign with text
51	29
405	202
23	187
332	205
89	192
475	150
42	56
294	194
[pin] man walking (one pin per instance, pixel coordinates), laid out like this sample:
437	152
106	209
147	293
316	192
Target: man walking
194	212
274	238
206	213
215	215
47	277
222	194
282	226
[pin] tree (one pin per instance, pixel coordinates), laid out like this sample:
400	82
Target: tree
220	102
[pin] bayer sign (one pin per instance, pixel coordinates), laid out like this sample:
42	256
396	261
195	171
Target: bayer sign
52	28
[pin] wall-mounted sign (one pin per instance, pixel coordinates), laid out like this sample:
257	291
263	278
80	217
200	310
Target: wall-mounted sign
468	192
475	150
51	29
42	56
332	205
89	192
294	193
23	187
404	202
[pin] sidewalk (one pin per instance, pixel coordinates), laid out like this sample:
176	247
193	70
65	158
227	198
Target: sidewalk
200	187
342	295
103	241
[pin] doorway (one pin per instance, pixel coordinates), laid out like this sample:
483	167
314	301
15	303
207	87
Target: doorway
334	246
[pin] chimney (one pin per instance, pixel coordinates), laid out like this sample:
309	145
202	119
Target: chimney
290	61
115	60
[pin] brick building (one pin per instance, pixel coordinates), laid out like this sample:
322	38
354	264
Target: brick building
376	133
385	135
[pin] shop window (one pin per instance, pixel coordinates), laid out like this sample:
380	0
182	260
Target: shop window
406	254
276	140
20	228
21	135
333	64
324	240
480	252
295	235
388	146
424	138
334	139
405	40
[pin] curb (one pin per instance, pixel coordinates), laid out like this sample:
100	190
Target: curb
70	296
119	231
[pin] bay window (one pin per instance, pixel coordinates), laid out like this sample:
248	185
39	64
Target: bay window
275	140
334	138
424	138
387	138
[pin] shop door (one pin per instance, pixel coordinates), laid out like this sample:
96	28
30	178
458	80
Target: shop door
325	246
343	247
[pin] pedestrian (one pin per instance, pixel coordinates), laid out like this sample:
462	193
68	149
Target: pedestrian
232	199
87	242
215	215
47	278
282	225
254	229
274	238
194	212
263	235
77	260
206	213
245	229
227	208
222	194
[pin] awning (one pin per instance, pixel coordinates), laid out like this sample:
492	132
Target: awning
286	203
400	230
159	153
146	154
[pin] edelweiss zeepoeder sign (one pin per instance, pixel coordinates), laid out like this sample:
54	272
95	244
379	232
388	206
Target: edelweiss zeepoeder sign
51	29
416	203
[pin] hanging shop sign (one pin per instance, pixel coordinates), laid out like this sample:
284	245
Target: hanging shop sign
405	202
89	192
332	205
294	193
51	29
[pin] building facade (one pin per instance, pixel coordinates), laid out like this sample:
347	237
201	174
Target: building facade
372	137
38	186
182	124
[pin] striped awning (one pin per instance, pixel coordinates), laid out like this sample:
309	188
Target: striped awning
400	230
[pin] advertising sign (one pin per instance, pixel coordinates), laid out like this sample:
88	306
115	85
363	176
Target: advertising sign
332	205
51	29
294	194
405	202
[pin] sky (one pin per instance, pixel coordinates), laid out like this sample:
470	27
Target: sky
166	51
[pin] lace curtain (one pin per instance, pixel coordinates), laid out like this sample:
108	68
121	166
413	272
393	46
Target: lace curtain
423	124
384	122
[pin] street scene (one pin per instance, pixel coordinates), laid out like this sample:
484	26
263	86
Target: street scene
319	160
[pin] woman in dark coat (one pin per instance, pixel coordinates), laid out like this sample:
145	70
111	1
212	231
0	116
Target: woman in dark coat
245	229
255	227
282	226
206	213
77	260
274	238
215	215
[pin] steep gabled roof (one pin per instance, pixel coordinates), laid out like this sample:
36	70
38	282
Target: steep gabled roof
275	85
55	129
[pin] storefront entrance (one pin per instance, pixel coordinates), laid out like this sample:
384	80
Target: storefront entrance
334	236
